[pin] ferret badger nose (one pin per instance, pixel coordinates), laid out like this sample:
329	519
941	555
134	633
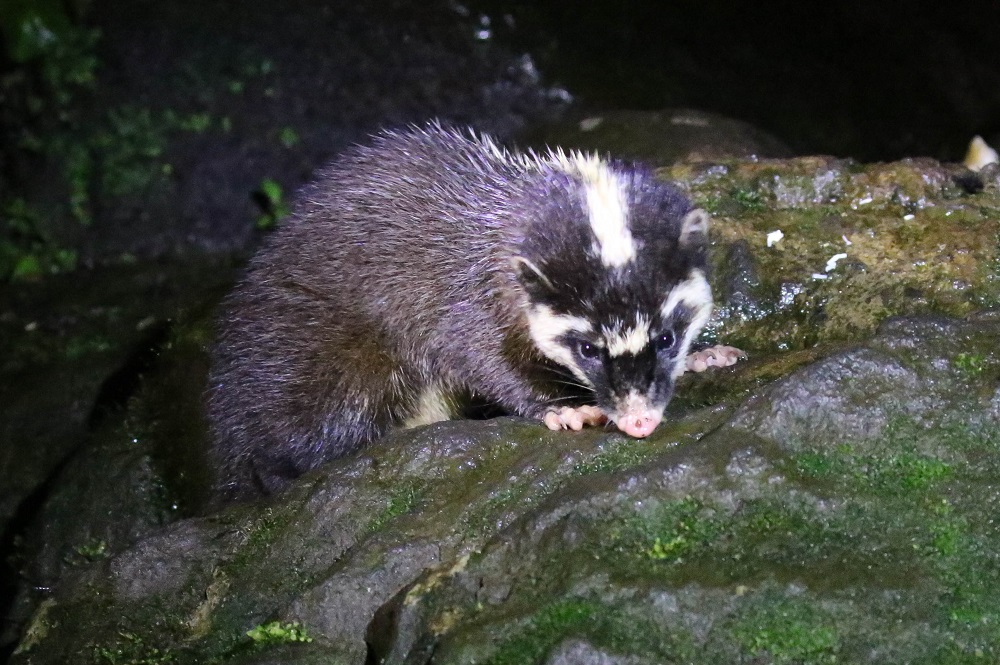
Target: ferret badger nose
638	395
637	416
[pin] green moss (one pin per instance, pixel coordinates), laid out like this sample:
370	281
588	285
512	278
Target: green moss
962	557
258	535
710	202
790	536
749	199
682	527
945	530
482	520
606	627
884	472
27	267
93	549
785	631
277	632
543	631
619	454
131	649
942	260
403	499
798	541
973	364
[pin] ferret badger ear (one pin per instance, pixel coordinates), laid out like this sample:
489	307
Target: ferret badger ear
694	229
530	276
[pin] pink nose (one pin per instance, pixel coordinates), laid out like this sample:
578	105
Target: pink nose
638	426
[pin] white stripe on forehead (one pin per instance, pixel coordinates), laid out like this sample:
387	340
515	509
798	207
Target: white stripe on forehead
632	340
695	294
546	327
607	207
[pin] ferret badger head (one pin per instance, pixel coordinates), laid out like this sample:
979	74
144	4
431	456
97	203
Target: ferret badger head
613	267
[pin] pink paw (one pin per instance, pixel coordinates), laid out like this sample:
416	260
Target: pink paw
715	356
574	418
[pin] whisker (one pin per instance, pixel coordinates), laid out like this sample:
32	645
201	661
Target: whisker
573	384
555	374
562	398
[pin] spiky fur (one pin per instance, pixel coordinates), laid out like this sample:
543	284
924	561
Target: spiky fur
433	263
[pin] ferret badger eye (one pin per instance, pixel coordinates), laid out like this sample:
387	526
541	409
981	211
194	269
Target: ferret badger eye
665	341
432	263
587	350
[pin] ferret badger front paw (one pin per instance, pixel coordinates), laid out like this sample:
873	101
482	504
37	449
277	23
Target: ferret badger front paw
575	418
714	356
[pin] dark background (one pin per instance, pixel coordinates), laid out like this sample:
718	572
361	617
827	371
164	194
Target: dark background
870	80
194	104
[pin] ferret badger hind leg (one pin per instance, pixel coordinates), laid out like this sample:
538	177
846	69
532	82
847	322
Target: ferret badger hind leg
432	263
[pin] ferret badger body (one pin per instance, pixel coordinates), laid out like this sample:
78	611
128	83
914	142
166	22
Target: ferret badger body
431	264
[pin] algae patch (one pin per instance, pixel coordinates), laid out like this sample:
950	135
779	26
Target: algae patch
907	240
785	631
276	632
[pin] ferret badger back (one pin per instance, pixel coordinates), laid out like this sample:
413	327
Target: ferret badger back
431	264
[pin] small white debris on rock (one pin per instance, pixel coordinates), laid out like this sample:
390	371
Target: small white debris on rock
590	124
909	217
979	154
847	241
819	275
832	263
773	237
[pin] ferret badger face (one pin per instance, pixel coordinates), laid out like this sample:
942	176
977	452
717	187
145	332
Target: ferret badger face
614	270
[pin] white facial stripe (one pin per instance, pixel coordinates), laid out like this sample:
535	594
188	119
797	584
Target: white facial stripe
695	294
633	340
546	327
606	205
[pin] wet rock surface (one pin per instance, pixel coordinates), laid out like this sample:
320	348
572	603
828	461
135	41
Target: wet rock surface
840	514
99	434
825	249
663	137
77	348
830	499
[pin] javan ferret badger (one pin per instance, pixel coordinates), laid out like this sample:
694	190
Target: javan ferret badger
433	264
